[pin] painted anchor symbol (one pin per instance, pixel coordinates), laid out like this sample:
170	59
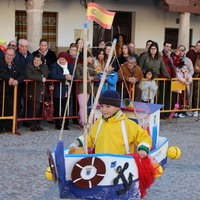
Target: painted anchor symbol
127	184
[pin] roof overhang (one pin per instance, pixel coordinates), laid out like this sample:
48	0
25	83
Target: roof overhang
189	6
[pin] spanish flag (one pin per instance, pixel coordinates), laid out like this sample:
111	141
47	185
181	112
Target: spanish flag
100	15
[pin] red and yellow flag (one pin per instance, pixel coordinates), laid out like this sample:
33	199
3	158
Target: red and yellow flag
100	15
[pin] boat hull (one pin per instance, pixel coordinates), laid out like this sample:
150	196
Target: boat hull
113	184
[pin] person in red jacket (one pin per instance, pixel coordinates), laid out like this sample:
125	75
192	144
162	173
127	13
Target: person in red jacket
166	55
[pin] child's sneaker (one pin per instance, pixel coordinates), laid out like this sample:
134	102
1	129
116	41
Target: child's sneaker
189	114
195	114
181	115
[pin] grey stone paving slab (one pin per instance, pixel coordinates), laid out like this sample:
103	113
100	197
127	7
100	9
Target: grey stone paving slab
24	160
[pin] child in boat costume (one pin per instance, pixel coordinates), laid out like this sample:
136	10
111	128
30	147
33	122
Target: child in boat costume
114	133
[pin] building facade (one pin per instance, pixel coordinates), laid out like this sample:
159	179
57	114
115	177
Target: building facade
145	20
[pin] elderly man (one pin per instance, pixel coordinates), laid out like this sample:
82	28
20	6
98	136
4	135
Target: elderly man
130	73
13	44
23	57
12	74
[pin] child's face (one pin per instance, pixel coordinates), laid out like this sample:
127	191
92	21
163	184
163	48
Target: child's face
110	68
90	59
148	75
108	110
184	69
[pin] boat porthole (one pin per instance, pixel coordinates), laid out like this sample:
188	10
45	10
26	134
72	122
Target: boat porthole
88	172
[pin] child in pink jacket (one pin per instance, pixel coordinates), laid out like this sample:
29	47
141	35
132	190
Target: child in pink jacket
184	77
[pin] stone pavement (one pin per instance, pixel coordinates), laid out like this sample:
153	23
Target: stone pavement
24	160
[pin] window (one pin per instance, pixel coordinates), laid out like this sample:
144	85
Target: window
49	27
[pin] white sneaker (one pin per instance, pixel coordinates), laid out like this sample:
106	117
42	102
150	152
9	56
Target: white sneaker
195	114
189	114
176	115
181	115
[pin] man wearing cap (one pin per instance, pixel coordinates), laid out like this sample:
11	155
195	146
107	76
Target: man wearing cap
114	133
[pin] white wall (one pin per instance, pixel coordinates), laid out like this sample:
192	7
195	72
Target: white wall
7	19
150	21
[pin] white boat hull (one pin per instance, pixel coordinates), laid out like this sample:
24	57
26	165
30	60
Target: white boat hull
79	173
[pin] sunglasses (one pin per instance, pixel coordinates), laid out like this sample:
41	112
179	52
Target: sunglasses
11	45
182	50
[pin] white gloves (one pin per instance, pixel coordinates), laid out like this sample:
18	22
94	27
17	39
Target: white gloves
73	145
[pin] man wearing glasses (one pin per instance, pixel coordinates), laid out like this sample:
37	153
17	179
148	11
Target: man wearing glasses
72	53
13	44
12	74
187	61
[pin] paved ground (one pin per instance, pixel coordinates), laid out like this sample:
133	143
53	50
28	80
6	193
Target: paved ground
23	162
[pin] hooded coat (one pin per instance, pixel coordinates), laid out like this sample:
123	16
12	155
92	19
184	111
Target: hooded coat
110	136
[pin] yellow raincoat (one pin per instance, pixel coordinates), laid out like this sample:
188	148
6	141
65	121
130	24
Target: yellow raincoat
110	136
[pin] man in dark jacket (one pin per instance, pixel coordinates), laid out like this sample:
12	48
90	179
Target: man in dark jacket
23	57
11	74
1	54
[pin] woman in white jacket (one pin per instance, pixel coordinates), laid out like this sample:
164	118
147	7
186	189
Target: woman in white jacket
148	87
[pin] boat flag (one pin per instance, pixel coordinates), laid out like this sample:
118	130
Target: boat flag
100	15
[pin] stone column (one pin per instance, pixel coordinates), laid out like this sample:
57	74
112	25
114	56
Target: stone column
184	30
34	9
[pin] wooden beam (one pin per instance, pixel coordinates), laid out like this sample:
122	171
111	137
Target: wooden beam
189	6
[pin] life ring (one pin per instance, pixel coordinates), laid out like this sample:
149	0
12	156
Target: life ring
88	172
52	166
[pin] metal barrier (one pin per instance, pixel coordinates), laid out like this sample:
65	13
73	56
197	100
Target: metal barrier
3	106
164	95
49	82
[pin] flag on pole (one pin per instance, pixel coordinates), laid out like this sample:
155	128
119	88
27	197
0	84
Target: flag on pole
100	15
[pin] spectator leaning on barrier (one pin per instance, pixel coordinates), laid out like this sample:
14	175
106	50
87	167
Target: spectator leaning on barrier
13	75
61	70
36	71
131	73
23	57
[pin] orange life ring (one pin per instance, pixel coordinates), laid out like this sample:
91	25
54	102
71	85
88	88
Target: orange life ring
88	172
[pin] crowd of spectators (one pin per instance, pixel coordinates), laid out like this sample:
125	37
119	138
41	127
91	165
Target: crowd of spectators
17	64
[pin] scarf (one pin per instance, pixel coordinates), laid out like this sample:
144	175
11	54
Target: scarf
44	53
64	67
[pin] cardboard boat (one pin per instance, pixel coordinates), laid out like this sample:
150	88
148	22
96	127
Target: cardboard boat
106	176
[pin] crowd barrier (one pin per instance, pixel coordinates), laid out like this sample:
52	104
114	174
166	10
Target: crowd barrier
166	95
